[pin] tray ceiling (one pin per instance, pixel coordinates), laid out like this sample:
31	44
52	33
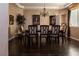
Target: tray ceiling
41	5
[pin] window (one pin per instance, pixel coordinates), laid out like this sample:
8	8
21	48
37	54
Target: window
78	17
73	18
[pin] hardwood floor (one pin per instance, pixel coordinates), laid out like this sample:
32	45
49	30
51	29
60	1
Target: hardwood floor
68	48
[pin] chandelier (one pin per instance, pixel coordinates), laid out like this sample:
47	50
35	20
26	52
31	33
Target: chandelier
44	12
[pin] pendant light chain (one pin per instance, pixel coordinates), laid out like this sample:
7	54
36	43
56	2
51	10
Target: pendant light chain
44	3
44	13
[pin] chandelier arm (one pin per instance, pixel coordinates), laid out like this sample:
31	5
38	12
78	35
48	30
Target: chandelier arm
44	13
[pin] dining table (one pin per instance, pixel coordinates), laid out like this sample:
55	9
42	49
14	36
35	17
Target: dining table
38	31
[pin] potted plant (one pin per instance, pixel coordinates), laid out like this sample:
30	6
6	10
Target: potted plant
20	22
20	19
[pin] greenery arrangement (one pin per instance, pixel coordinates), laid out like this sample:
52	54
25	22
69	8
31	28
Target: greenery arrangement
20	19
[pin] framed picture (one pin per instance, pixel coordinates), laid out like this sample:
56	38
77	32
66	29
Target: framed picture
52	20
36	19
11	19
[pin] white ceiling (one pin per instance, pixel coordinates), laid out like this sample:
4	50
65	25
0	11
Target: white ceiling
41	5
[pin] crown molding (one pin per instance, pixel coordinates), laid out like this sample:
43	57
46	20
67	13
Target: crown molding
21	6
67	5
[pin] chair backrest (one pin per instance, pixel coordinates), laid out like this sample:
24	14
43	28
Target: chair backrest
55	29
44	29
63	27
32	29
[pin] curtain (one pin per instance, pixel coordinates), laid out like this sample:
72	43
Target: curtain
68	32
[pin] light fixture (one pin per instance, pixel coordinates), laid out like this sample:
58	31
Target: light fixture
44	13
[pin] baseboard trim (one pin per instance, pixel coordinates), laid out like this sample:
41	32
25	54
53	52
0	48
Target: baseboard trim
74	38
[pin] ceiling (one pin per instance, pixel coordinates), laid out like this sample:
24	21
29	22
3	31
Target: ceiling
41	5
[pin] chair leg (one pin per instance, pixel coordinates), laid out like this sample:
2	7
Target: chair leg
55	39
58	39
29	41
46	39
26	38
40	40
62	39
65	38
36	40
49	39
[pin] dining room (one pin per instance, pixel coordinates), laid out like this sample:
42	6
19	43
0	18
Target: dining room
42	29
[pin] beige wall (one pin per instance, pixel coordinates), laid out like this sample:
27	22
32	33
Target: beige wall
63	20
75	32
14	10
43	21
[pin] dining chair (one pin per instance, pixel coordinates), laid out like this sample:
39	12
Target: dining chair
55	32
44	29
32	29
63	29
26	38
